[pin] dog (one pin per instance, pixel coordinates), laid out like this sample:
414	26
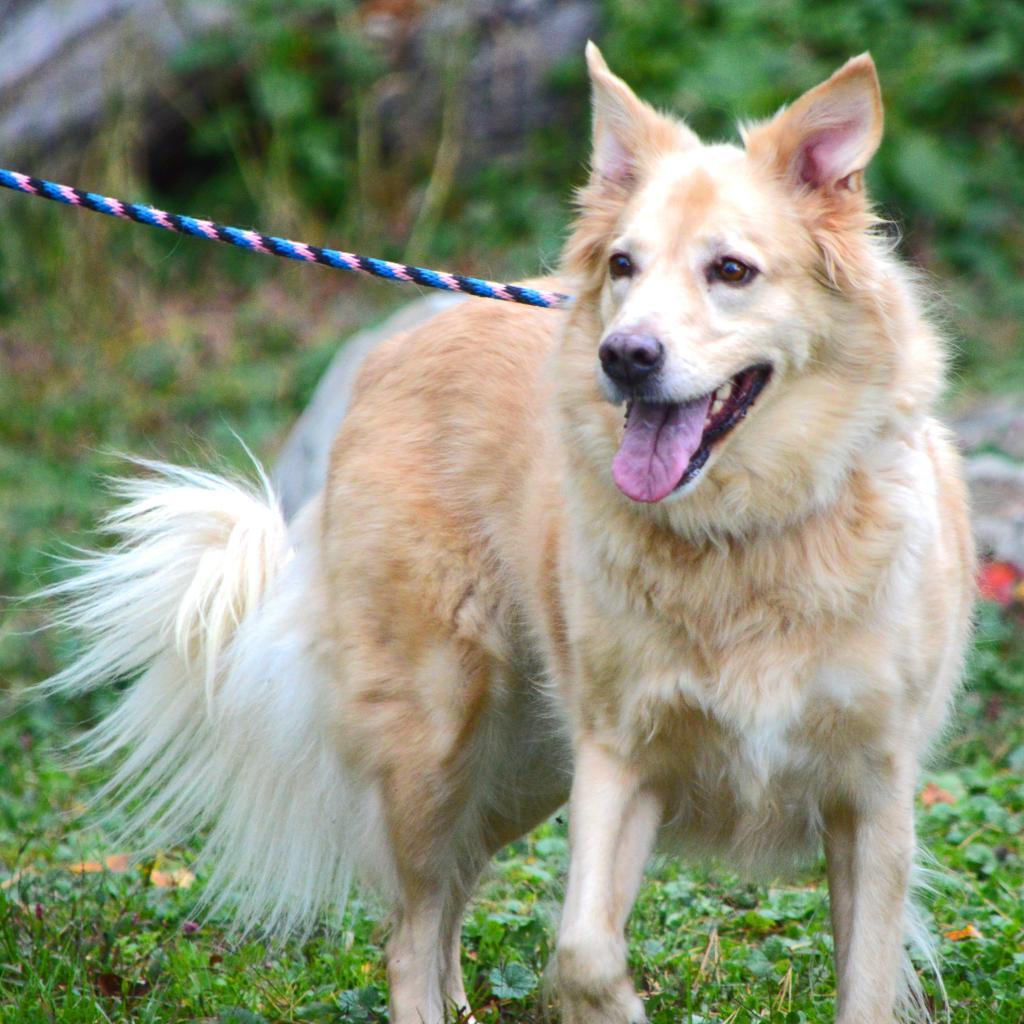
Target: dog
693	555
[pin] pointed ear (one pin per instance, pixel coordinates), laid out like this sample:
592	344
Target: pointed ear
827	137
627	132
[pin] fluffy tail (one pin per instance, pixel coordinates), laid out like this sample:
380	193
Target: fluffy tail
205	600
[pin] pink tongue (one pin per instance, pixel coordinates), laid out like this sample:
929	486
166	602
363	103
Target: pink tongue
657	447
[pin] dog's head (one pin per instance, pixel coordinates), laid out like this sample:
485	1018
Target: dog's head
735	305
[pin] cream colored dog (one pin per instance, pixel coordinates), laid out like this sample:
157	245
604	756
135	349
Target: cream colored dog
733	623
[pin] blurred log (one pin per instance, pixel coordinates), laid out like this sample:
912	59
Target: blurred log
61	61
513	50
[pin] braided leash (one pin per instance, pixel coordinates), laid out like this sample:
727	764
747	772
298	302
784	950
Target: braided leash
271	245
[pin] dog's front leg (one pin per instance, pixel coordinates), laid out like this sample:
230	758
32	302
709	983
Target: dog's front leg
869	852
613	823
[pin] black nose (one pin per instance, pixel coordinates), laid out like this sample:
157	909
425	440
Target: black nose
631	358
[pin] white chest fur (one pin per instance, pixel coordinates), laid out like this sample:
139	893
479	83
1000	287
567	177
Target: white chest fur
748	766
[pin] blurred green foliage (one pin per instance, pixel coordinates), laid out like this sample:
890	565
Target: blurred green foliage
281	136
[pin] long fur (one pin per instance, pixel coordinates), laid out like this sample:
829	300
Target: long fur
204	597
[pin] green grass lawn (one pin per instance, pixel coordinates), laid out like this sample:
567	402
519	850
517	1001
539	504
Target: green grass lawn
93	363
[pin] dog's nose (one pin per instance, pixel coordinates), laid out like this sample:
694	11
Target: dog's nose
631	358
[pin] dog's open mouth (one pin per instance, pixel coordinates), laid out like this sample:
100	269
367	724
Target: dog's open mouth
666	444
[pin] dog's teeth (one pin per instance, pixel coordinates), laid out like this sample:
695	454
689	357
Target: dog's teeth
725	391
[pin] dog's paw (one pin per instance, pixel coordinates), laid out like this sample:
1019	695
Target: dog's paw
592	982
625	1007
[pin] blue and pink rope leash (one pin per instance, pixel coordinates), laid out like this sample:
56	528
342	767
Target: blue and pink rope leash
271	245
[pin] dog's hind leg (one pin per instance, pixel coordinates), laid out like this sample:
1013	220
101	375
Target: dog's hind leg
436	870
451	799
613	824
423	953
415	719
839	849
437	859
453	986
446	828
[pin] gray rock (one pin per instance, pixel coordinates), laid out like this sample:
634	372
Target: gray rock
993	424
506	89
997	506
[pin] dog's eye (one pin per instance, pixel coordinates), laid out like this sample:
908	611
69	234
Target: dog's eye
731	271
619	265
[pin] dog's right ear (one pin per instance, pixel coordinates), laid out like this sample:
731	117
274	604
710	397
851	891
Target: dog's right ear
627	132
629	136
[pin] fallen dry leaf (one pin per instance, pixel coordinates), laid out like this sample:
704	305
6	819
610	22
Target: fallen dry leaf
111	984
933	794
116	862
85	867
15	878
960	934
181	878
108	983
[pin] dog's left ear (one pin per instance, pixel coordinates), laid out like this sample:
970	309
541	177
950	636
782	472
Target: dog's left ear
826	138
